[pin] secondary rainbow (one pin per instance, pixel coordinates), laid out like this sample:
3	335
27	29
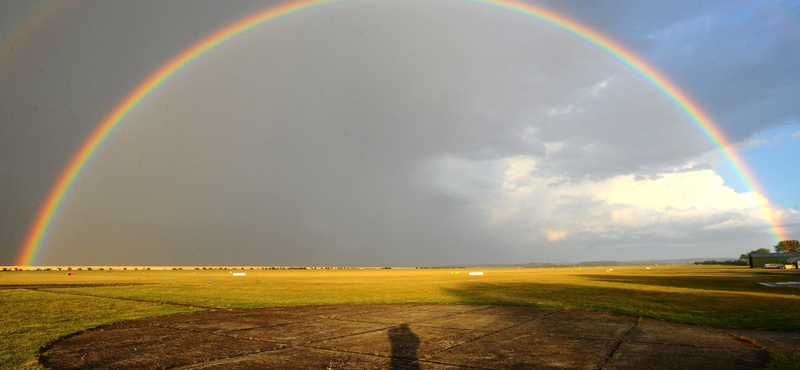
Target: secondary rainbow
21	33
49	209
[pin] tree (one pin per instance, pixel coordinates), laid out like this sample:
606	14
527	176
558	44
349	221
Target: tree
759	250
785	246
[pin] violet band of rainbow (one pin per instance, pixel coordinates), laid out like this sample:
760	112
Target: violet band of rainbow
692	111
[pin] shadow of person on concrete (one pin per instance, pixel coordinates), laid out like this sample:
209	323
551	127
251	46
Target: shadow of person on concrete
404	348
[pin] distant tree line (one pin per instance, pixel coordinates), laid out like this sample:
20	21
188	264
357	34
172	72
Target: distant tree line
728	262
783	246
746	256
289	268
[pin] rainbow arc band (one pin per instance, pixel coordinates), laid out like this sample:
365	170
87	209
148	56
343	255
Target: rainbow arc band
23	32
49	209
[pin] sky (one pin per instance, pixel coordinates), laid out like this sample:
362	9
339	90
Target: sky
397	133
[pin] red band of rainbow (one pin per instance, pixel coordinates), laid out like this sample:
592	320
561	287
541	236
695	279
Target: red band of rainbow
54	199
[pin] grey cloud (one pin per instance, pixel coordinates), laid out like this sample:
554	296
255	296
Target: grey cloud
314	139
730	56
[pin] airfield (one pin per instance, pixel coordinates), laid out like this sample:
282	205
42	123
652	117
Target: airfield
664	317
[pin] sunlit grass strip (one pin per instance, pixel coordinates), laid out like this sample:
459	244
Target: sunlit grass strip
711	296
33	319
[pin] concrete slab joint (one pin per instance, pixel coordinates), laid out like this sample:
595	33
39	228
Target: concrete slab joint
402	336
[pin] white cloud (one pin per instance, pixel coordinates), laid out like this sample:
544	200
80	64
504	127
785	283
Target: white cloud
595	90
553	147
671	206
702	189
554	235
560	111
519	170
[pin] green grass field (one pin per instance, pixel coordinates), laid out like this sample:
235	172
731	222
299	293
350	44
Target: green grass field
714	296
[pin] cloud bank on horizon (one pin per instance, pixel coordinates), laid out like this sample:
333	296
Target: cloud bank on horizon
397	133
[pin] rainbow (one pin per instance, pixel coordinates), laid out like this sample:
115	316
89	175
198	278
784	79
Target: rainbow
49	209
23	31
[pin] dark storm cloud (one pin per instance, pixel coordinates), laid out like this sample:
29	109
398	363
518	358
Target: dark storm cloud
65	75
369	134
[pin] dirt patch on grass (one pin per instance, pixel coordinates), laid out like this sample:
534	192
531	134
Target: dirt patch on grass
403	336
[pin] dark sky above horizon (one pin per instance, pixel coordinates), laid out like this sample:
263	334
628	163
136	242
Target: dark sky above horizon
397	133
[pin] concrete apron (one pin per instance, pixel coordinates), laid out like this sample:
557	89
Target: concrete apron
403	336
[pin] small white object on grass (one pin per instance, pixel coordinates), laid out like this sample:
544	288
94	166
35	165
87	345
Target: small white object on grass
475	273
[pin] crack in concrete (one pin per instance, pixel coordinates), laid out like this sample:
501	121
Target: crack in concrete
619	343
494	332
350	353
410	360
285	346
